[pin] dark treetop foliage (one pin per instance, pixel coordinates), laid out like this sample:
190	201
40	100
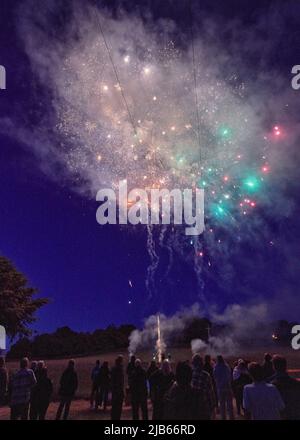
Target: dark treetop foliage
17	306
66	342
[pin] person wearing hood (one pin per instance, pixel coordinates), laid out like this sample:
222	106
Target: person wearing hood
288	388
181	400
139	391
162	381
241	377
223	379
203	386
67	390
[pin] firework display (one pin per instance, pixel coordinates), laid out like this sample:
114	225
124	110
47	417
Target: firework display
141	107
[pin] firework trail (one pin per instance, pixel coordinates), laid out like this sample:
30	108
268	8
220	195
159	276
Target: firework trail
165	243
154	261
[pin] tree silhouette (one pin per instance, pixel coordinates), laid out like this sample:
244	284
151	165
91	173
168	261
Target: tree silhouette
17	306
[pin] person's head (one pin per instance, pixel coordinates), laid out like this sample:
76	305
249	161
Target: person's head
207	359
267	357
119	361
165	367
97	363
40	365
279	363
197	361
105	364
242	364
256	372
183	374
71	364
138	363
132	359
33	365
2	362
220	359
24	362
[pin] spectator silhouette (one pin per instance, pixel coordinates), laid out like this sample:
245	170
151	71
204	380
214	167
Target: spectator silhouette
129	370
103	384
151	370
262	401
202	385
241	377
208	365
20	388
34	366
181	400
94	374
139	391
288	387
3	381
38	367
67	390
209	368
42	394
162	380
222	375
267	366
117	388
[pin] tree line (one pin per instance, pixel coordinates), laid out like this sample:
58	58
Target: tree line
66	342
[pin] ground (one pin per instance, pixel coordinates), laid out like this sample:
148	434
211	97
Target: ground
80	407
80	410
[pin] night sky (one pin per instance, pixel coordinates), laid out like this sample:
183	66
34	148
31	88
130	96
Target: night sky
49	230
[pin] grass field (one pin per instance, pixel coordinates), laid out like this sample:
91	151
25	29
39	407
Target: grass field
80	407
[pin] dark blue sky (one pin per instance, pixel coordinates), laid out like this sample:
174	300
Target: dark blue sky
50	232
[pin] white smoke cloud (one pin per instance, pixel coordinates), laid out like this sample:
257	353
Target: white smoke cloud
91	128
238	327
171	327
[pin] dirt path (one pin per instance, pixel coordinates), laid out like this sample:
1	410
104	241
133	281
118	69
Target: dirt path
80	410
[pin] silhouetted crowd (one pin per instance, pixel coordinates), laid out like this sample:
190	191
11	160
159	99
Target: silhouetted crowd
197	390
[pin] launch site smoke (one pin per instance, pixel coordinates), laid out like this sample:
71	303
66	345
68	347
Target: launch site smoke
227	331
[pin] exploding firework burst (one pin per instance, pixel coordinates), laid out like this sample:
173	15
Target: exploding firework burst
131	105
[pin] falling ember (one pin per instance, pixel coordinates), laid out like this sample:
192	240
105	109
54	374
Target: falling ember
265	169
277	130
